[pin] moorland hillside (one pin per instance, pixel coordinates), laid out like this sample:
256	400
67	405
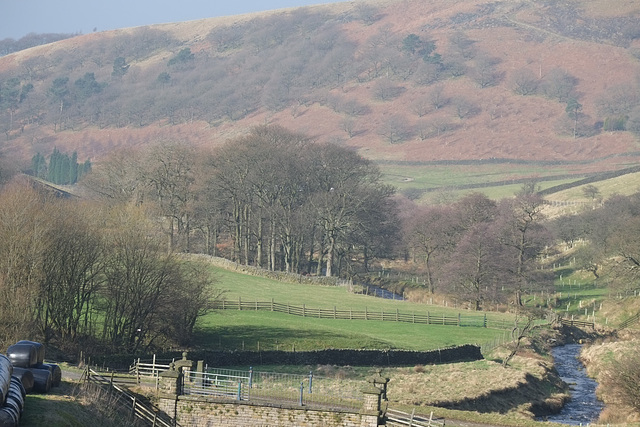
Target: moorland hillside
402	81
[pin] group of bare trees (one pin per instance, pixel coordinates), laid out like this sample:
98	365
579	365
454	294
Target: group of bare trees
271	198
77	271
480	251
609	245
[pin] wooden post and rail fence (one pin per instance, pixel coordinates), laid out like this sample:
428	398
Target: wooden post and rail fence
426	318
115	384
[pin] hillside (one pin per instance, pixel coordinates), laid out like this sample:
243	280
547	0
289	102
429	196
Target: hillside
405	82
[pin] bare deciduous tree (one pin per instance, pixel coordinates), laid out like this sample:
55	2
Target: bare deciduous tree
524	82
558	84
395	129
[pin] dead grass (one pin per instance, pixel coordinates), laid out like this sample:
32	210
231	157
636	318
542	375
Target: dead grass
71	405
462	384
598	359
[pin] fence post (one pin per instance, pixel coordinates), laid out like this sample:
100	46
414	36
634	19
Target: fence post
138	371
153	369
304	310
239	390
250	376
133	408
310	382
397	314
459	319
301	391
240	303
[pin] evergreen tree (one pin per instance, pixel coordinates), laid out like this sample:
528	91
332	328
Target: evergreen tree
53	162
85	168
73	168
39	166
64	168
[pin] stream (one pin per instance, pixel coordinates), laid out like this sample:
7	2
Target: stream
382	293
584	407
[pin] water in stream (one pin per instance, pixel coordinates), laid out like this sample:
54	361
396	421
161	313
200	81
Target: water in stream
584	407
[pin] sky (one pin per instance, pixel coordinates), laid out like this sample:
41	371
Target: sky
21	17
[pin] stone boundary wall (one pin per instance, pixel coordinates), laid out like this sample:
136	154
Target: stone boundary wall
339	357
203	412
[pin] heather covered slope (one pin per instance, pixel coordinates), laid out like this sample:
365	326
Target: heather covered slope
403	81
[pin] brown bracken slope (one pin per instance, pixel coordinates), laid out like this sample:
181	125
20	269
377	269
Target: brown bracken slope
595	42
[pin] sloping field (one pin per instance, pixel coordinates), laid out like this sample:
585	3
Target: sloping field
253	330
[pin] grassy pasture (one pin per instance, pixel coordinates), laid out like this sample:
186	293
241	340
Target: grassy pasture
623	185
436	175
441	180
235	330
227	329
577	293
496	192
448	177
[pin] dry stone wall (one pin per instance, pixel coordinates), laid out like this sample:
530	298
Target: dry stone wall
339	357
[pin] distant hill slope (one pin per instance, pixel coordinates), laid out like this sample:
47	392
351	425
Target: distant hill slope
399	80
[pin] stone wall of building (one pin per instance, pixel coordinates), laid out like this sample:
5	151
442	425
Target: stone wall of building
199	411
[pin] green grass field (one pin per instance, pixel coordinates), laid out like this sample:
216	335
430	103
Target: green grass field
232	329
435	176
623	185
448	177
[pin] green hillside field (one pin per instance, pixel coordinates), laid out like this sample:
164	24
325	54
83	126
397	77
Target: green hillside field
234	329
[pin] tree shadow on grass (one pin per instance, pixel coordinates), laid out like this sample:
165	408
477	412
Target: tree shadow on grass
533	391
278	338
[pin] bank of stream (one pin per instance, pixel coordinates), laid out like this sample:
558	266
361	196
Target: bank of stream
584	407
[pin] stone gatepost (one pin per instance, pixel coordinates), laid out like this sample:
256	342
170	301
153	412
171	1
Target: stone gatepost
199	374
170	385
380	382
180	365
374	394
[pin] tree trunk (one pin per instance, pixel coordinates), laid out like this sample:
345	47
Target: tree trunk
430	286
246	236
330	250
272	248
259	243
